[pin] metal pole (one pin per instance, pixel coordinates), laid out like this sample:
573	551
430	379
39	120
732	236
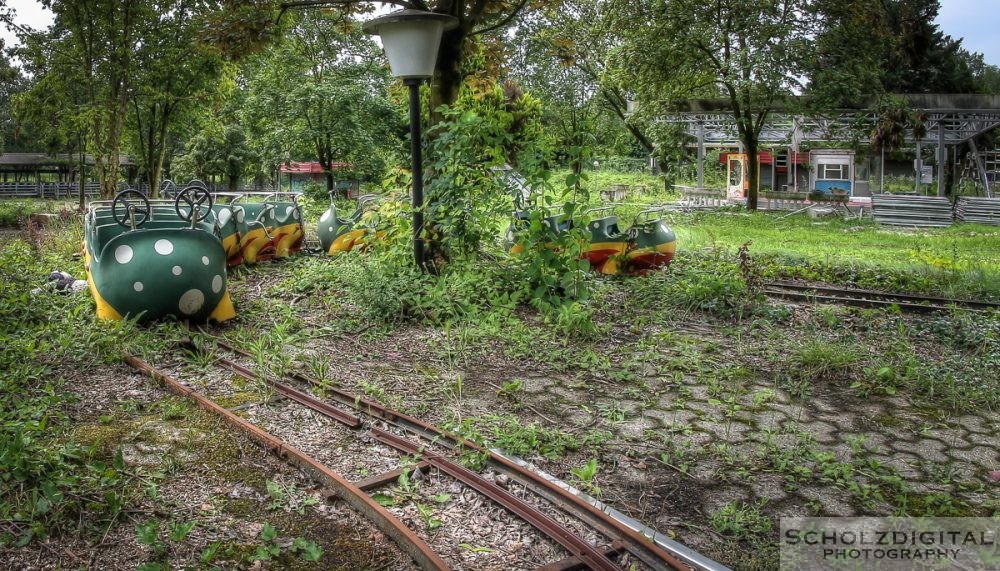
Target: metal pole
942	158
919	167
881	173
981	167
701	155
418	171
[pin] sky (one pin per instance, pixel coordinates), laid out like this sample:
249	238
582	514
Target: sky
976	21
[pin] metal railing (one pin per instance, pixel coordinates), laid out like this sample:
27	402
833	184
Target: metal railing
52	190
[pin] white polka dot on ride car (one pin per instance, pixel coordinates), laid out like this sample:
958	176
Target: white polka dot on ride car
163	247
123	254
191	302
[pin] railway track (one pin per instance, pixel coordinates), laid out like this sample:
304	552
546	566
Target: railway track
579	532
871	299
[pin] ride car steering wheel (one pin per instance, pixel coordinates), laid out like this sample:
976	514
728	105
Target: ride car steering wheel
168	188
127	208
195	197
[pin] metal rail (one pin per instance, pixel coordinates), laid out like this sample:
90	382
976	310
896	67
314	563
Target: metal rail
300	397
871	298
404	537
661	555
575	545
593	558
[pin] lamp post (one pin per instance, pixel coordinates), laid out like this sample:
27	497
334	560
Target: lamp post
411	39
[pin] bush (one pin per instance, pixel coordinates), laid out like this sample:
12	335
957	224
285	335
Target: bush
14	214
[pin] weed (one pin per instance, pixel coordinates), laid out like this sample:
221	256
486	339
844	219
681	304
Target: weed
742	520
289	498
585	475
511	389
270	547
513	436
427	515
613	413
819	359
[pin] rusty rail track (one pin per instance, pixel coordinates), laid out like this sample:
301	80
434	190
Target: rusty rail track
580	549
871	299
658	553
389	524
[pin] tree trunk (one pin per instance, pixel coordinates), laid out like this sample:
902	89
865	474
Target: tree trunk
329	182
447	74
640	137
83	175
234	182
753	169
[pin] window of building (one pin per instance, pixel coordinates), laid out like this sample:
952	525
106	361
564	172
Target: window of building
833	172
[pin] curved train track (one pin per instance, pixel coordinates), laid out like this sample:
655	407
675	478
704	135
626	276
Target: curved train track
588	534
871	299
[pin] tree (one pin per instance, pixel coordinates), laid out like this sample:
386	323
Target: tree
218	150
569	104
175	75
567	44
868	48
51	111
95	41
320	92
752	53
920	58
247	25
12	82
849	56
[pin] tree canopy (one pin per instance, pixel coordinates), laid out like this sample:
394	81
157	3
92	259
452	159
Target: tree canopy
754	54
281	80
322	91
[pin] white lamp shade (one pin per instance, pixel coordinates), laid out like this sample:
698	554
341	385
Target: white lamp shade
411	39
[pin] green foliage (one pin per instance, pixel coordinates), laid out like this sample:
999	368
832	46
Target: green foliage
515	437
477	135
741	519
753	53
427	515
269	548
511	389
551	264
962	261
216	151
48	483
289	498
176	75
321	93
585	477
14	214
12	82
706	280
823	359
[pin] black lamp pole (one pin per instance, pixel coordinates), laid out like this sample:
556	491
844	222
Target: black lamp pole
411	39
416	157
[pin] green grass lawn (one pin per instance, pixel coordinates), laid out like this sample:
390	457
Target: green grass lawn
963	259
